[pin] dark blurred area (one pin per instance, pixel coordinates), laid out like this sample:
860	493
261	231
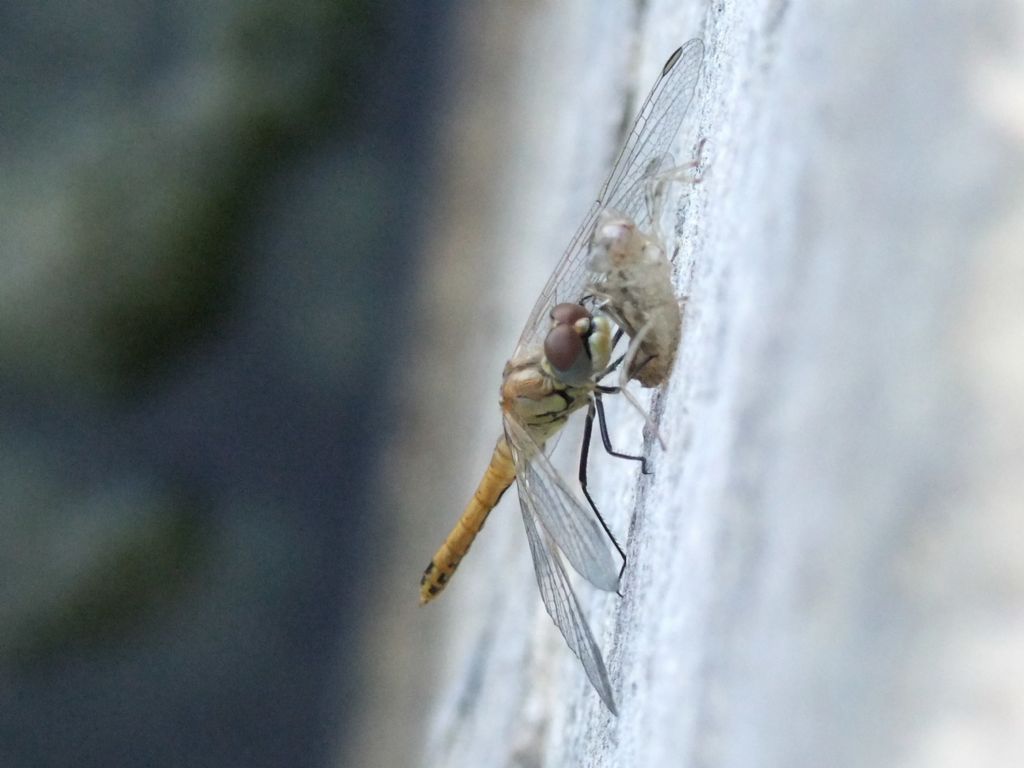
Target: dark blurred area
207	214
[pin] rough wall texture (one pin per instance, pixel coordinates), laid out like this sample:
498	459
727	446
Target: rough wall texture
826	566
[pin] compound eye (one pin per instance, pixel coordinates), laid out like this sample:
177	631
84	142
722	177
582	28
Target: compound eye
568	314
563	347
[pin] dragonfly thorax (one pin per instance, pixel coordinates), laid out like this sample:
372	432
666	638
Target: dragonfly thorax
543	389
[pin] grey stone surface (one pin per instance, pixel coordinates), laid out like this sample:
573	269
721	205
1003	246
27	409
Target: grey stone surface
826	567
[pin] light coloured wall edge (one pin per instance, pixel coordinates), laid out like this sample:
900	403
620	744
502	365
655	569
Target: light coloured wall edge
826	567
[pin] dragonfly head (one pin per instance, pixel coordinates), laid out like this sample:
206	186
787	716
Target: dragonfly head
578	344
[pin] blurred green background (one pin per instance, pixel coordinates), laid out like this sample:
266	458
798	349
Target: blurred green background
208	213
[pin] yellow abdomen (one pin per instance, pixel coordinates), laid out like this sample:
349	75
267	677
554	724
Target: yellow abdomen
497	478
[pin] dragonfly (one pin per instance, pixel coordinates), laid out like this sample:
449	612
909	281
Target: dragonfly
557	367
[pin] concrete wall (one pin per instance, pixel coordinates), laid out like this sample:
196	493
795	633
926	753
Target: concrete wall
826	565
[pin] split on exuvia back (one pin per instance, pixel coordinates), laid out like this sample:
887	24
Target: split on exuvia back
613	280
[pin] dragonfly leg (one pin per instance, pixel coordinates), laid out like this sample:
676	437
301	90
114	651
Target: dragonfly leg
629	356
588	431
602	424
617	361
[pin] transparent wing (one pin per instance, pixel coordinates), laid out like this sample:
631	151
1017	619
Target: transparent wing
641	156
561	602
572	525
